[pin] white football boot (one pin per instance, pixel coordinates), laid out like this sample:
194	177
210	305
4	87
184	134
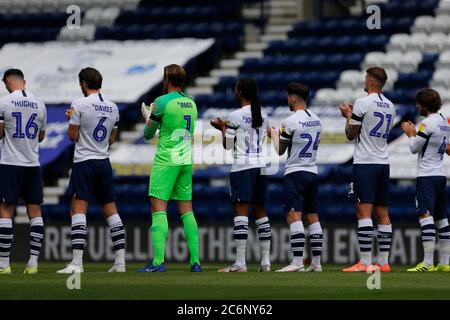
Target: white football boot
234	268
264	268
314	268
71	268
292	268
119	268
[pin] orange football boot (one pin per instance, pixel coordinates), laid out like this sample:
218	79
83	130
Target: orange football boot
384	268
359	267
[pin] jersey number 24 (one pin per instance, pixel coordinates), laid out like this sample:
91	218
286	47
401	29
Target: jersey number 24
304	152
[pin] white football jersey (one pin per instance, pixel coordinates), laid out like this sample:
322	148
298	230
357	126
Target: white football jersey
430	143
247	152
375	114
24	117
302	130
96	116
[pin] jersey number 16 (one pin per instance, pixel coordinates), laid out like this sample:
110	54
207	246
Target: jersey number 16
31	128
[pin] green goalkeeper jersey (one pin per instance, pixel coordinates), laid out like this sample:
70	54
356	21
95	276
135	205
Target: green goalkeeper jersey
176	113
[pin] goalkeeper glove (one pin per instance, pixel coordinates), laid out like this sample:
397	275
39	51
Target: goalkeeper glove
147	110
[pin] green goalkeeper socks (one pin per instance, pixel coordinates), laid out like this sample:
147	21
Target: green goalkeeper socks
191	235
160	228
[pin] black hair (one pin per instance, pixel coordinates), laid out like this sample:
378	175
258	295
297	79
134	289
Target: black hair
91	77
249	90
13	72
298	89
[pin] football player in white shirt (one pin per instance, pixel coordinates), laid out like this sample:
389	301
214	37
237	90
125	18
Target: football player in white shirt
369	122
431	142
244	132
93	127
23	119
300	136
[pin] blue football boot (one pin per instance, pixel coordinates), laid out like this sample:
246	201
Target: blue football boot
151	268
196	268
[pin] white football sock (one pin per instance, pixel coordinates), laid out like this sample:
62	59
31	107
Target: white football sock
365	238
316	242
265	236
384	243
444	241
297	232
428	239
78	238
240	236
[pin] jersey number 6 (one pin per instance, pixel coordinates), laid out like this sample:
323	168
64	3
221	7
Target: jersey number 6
100	131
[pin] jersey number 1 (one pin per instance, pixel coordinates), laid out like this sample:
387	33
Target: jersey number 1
187	135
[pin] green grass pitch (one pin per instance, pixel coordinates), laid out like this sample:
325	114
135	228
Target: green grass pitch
180	284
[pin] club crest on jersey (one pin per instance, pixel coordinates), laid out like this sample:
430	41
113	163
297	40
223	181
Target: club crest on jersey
422	127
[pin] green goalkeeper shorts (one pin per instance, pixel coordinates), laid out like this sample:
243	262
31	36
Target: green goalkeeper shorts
171	182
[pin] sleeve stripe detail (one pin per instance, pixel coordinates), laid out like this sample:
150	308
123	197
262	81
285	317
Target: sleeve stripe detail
156	118
357	118
116	124
2	119
286	136
231	127
422	135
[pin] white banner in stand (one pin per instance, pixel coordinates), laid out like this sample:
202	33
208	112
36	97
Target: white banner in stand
129	68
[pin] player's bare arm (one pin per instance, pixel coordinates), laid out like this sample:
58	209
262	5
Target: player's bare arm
279	144
2	130
351	131
73	132
41	136
68	113
417	141
409	129
221	125
113	136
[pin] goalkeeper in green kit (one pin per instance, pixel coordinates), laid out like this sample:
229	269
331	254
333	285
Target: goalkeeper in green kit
174	114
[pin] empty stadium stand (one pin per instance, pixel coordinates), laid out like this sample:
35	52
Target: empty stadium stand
329	54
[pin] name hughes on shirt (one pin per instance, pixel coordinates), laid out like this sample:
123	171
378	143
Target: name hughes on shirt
24	104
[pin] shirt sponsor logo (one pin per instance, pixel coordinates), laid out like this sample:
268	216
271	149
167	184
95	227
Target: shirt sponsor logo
422	127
